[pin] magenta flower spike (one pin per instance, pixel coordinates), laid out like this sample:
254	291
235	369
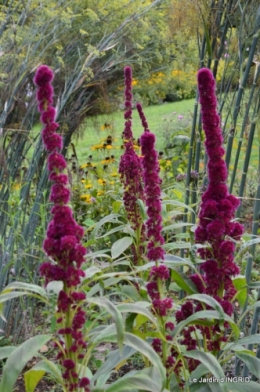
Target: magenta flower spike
158	273
218	207
130	170
63	243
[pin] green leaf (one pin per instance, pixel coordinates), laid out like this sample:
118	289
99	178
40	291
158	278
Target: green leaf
142	209
35	374
116	315
183	282
32	378
135	308
178	204
112	360
172	261
209	301
240	285
26	286
116	206
115	230
176	245
109	218
205	314
144	348
6	351
251	362
209	361
177	226
252	339
24	353
120	246
137	381
16	294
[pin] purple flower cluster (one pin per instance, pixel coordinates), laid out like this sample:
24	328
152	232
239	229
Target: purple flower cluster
130	169
216	227
159	273
152	183
63	242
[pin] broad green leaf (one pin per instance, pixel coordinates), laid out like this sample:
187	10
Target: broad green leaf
252	339
116	206
24	353
115	230
16	294
177	226
92	271
205	314
144	348
6	351
111	361
251	362
183	282
109	218
172	261
135	308
209	361
138	380
116	315
209	301
35	374
240	284
99	253
26	286
120	246
177	245
178	204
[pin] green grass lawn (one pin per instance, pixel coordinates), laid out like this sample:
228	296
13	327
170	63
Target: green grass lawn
158	118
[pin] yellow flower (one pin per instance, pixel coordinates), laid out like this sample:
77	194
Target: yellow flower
109	147
97	147
134	82
86	197
88	186
114	174
83	181
101	182
100	193
111	182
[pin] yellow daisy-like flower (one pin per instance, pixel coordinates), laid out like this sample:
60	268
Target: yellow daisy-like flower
83	181
100	193
88	186
86	197
114	174
101	182
109	147
97	147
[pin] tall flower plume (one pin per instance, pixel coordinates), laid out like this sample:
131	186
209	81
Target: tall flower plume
217	211
130	170
159	273
216	227
63	242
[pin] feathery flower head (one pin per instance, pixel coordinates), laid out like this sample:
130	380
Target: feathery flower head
62	243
